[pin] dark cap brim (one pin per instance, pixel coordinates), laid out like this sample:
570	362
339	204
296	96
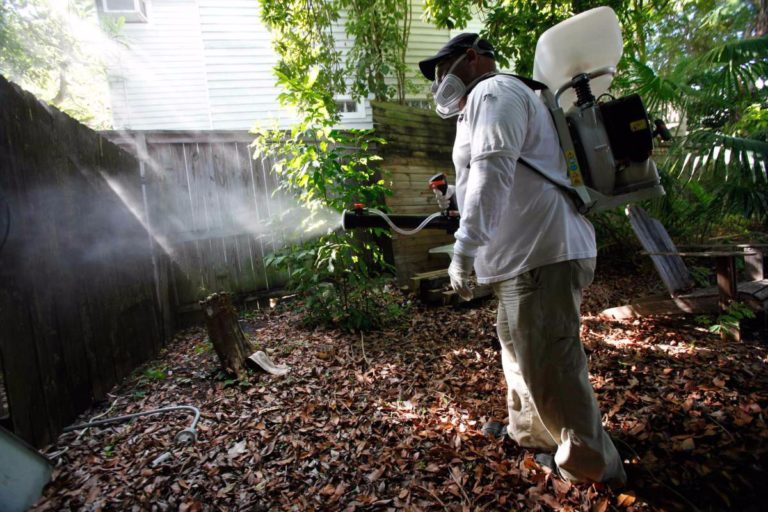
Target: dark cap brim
427	66
455	46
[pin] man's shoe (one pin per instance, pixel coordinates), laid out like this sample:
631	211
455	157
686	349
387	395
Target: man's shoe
495	429
548	460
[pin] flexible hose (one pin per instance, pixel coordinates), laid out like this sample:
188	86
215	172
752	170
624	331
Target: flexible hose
404	231
117	419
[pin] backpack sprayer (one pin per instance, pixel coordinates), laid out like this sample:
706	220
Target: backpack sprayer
607	144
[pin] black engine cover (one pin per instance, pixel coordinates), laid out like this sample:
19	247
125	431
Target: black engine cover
628	128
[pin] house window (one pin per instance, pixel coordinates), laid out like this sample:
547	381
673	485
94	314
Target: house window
346	106
133	11
350	109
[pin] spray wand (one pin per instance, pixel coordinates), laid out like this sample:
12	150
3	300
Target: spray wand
447	219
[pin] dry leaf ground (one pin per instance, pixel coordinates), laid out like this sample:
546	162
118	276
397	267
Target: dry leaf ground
392	421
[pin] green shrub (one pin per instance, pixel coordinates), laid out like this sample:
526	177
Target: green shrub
340	282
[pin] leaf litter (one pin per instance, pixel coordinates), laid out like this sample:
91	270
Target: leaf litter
391	421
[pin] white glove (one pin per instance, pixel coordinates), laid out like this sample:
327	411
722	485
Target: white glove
459	271
444	200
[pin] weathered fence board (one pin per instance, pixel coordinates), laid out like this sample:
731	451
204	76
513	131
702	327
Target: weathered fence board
81	302
210	200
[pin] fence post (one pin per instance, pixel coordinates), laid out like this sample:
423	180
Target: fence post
141	149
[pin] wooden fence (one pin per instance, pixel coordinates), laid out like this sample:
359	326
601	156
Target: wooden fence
88	293
82	299
419	145
211	205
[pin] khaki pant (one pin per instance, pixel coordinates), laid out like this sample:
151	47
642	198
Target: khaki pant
550	399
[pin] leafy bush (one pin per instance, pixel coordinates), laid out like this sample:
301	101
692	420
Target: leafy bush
728	322
338	279
340	276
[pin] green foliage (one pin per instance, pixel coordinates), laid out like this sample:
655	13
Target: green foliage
42	50
380	30
338	278
108	450
727	323
753	123
323	166
303	36
310	66
714	89
338	275
514	26
155	373
612	231
202	348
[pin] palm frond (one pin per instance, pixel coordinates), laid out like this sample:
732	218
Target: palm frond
732	69
734	168
658	92
707	155
738	51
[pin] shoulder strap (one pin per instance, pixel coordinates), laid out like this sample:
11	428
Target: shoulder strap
530	82
571	192
577	191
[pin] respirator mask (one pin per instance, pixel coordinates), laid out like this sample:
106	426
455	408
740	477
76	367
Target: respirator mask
448	92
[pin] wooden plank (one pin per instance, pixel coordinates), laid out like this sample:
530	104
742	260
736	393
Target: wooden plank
725	267
755	264
242	219
757	289
22	376
81	255
665	305
48	249
654	238
255	241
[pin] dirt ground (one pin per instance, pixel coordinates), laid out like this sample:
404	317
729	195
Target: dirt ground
391	421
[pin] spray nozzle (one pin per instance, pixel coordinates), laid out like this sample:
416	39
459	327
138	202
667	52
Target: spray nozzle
359	208
439	181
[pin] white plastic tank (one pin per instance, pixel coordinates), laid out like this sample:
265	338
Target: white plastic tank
581	44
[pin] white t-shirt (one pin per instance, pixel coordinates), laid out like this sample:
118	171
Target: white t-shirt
513	219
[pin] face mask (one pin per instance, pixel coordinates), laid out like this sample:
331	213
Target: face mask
448	92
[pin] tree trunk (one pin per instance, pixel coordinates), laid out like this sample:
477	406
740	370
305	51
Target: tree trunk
761	23
225	333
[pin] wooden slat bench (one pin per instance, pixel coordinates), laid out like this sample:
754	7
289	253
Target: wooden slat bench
683	296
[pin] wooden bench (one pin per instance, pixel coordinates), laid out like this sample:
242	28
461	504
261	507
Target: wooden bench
683	295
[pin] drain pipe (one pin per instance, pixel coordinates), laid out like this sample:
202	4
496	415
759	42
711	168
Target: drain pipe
188	435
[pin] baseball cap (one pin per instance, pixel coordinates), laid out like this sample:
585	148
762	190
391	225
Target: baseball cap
452	47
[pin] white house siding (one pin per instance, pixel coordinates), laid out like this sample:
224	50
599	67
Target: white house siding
363	118
239	61
207	64
158	81
425	41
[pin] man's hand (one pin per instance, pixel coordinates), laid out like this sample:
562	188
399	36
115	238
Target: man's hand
459	271
444	200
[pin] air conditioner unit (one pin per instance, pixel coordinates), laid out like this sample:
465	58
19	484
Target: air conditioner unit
134	11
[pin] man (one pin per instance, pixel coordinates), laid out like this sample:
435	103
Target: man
524	236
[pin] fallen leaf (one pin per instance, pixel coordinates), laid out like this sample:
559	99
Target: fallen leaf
600	505
375	475
237	449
